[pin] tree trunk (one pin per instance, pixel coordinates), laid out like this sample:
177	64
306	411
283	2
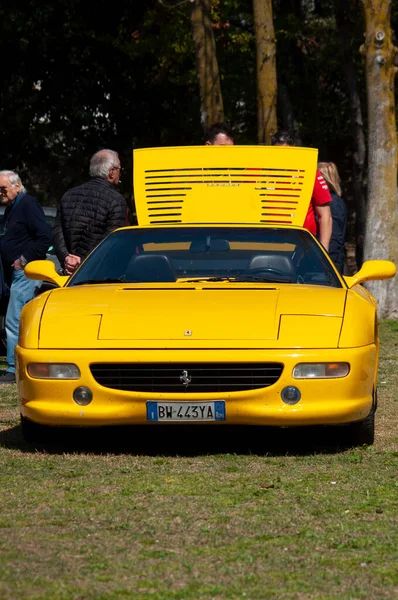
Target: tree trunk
266	70
381	235
359	155
211	109
286	109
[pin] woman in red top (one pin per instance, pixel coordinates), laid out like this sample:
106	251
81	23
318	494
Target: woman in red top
319	217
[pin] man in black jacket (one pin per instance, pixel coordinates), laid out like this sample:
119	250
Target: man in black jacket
88	212
25	236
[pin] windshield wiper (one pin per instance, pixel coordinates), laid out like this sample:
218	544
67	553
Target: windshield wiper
199	279
239	279
262	278
99	281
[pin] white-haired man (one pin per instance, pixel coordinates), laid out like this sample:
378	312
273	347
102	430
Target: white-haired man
25	236
88	212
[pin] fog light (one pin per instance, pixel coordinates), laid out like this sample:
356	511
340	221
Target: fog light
321	370
82	396
290	395
54	371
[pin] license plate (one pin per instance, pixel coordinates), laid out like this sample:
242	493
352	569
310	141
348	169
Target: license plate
186	411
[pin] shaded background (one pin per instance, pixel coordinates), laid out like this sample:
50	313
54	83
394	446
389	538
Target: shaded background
122	75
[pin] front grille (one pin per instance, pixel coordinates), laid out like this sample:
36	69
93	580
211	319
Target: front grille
169	377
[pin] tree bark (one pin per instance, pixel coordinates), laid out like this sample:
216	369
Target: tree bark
211	109
266	70
286	109
381	235
359	155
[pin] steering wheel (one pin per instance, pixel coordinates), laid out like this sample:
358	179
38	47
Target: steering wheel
266	270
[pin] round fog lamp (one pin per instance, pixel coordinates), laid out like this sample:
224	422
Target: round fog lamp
82	395
290	395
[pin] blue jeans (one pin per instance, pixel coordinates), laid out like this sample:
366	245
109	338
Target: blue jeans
21	291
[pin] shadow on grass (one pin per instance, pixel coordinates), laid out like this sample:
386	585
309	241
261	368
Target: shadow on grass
182	441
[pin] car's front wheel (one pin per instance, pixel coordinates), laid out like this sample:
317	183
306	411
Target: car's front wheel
363	432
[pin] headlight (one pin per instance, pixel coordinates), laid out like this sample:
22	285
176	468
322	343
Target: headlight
321	370
54	371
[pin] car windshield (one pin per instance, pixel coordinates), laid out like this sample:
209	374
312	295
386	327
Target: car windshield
191	254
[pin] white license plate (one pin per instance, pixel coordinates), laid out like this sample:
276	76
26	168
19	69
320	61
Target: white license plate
185	411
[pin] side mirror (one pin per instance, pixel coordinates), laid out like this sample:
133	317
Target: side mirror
44	270
371	270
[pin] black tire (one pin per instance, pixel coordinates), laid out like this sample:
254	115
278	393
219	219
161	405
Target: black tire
363	432
34	432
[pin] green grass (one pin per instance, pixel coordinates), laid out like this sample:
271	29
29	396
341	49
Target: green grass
249	515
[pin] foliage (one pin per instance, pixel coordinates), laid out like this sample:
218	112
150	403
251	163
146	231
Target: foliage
76	79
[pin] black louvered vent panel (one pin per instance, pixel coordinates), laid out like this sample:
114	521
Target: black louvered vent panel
278	190
204	377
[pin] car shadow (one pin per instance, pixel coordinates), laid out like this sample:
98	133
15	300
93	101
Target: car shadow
182	441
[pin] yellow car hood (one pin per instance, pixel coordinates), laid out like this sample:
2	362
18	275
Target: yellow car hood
208	315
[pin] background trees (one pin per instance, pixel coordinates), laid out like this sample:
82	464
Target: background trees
381	239
211	106
76	79
266	70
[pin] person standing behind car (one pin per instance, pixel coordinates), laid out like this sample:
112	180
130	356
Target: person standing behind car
25	236
88	212
219	134
339	214
319	217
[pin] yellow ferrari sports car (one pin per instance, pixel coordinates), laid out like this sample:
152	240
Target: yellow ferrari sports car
219	308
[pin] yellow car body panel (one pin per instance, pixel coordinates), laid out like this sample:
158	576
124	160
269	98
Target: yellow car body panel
115	316
323	402
359	309
29	325
223	184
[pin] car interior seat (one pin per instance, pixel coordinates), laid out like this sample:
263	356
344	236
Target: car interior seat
146	268
277	262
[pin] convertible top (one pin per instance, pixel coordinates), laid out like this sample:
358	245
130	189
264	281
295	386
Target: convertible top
224	184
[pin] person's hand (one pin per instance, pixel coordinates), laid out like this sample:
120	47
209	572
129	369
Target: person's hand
18	265
71	262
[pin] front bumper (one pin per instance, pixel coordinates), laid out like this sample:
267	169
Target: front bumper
323	401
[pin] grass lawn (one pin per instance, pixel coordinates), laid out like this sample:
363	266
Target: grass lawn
193	514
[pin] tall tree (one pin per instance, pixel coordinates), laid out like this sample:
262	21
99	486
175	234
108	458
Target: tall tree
211	108
266	70
381	235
